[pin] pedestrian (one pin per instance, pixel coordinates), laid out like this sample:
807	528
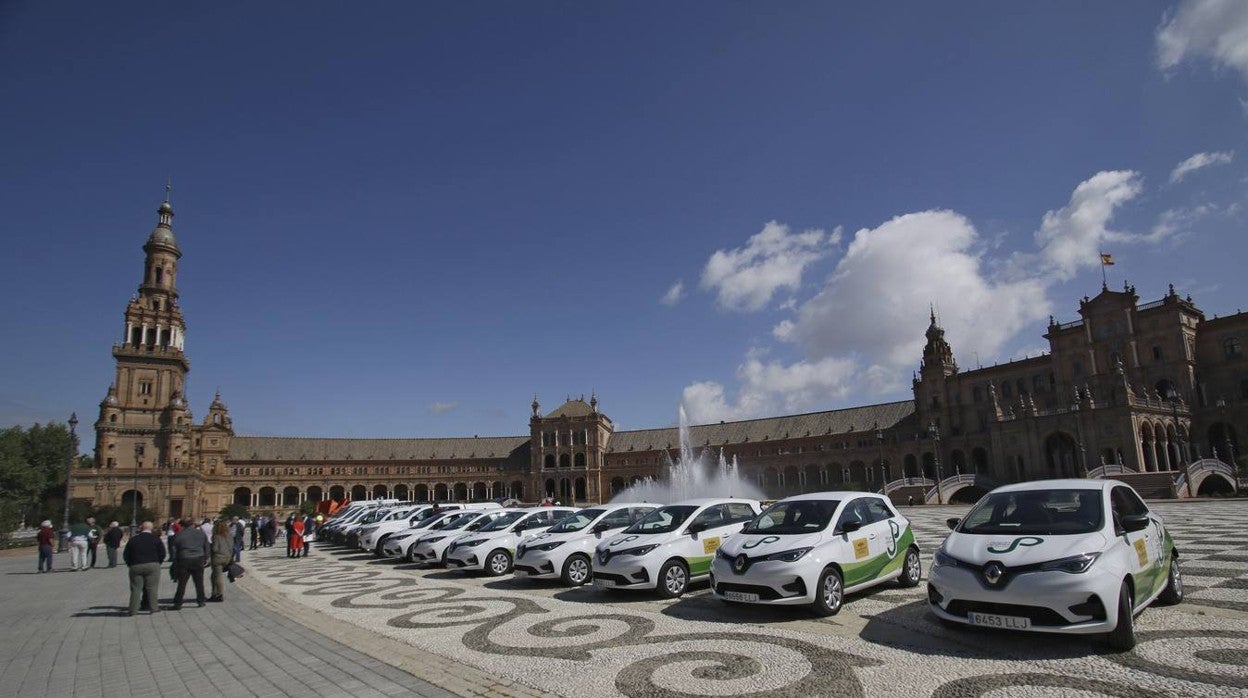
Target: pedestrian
46	537
309	528
206	527
270	526
254	530
191	553
910	501
93	539
294	536
143	554
236	538
222	553
112	541
171	529
78	534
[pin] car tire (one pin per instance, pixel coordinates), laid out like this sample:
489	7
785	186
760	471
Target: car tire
442	560
577	570
410	554
1173	593
380	543
498	563
1122	637
911	569
673	579
829	593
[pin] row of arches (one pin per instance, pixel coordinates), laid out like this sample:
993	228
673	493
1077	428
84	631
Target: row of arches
292	495
565	460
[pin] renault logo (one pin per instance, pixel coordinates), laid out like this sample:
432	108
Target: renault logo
739	564
993	571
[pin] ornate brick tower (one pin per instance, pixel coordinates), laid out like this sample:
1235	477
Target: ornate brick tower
144	425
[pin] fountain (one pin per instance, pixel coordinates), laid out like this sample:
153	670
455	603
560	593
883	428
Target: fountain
691	475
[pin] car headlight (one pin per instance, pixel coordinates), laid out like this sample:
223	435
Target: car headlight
943	559
545	546
643	550
1074	564
470	543
435	539
788	555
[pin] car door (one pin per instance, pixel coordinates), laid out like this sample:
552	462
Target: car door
716	525
1138	555
855	546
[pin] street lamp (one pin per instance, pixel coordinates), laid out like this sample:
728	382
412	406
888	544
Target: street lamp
69	473
1226	432
134	492
879	436
1173	396
1083	461
935	433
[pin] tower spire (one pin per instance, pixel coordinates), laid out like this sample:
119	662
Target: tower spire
168	187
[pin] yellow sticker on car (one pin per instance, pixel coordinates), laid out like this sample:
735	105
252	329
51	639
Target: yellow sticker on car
861	549
1141	552
710	545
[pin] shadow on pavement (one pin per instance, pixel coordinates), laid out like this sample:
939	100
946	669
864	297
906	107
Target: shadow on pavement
102	612
912	628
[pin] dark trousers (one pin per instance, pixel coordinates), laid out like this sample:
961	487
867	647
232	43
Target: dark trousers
144	584
92	549
192	569
112	555
254	543
45	556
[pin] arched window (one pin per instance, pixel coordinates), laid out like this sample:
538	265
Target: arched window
565	461
1230	347
548	461
579	461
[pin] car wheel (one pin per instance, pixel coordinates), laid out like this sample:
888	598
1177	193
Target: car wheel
380	543
830	593
1173	593
498	563
1122	637
410	555
673	579
576	570
442	561
911	569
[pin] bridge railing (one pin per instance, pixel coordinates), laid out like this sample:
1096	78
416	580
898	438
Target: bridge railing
956	482
908	482
1110	469
1201	469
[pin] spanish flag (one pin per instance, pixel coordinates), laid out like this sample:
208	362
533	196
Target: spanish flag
1107	260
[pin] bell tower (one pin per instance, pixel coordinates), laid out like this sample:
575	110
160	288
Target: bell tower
144	421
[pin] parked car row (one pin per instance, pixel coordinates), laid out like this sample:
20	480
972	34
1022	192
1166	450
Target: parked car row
1065	556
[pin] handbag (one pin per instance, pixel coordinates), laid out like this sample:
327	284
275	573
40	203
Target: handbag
236	570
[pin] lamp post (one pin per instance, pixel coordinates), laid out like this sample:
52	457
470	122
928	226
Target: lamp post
1083	461
1173	396
69	473
935	433
879	436
1226	432
134	492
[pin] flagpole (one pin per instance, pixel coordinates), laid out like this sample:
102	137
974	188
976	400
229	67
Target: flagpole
1104	279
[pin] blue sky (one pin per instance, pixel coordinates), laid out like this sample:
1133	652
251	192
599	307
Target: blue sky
406	219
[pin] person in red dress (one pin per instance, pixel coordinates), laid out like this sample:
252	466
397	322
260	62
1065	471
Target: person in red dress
296	538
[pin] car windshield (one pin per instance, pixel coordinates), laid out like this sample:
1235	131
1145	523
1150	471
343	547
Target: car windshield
1036	512
663	520
789	518
503	521
457	521
431	521
577	521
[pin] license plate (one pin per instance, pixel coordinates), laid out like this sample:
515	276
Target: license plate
994	621
605	583
740	596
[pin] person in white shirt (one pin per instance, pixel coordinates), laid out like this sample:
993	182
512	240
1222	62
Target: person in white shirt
206	527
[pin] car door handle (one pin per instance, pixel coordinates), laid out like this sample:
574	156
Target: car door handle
871	536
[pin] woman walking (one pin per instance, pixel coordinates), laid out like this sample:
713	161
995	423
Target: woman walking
222	554
295	548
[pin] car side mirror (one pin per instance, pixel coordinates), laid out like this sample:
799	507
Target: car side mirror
600	528
696	528
850	526
952	523
1135	522
519	527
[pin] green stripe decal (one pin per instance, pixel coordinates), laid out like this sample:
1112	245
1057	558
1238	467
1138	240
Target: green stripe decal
881	565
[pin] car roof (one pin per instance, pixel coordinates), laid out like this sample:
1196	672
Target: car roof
704	501
838	495
1067	484
621	505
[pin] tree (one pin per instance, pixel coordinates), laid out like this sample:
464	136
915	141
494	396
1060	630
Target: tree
235	509
307	508
122	514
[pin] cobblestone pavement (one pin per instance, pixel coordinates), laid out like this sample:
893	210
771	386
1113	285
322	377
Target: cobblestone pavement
65	635
588	642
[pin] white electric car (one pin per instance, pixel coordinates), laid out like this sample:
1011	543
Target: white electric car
430	546
397	544
493	546
671	547
1062	556
812	549
566	550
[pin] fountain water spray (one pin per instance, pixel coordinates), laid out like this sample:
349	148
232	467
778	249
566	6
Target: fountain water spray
692	474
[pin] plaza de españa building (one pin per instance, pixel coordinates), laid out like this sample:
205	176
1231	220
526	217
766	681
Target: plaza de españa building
1154	393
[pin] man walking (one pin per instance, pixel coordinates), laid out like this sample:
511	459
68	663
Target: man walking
46	537
236	532
93	539
191	552
112	541
143	554
254	526
78	535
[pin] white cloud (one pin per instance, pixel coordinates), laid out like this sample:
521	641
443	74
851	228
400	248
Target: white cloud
768	387
1071	238
1198	161
746	278
442	407
674	294
876	304
1216	30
